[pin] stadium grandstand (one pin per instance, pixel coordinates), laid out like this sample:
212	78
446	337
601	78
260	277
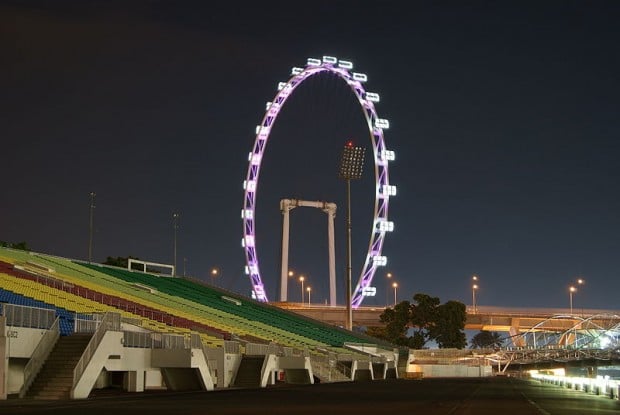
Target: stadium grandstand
70	328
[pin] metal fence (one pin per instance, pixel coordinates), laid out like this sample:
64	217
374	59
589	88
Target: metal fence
232	347
87	324
137	339
30	317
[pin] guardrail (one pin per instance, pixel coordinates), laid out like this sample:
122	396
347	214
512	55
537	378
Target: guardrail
149	340
327	367
599	385
86	325
29	317
39	356
232	347
137	339
256	349
110	321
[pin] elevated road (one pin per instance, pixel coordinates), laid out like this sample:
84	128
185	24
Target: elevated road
484	317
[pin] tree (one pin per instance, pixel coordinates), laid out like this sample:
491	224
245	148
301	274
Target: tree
486	339
119	261
396	323
18	245
116	262
423	318
448	330
426	319
378	332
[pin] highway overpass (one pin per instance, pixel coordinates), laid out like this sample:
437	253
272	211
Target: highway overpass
489	318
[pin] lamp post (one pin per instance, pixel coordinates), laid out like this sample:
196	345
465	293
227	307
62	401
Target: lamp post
395	286
571	290
90	227
301	280
581	282
474	287
214	273
388	278
309	289
351	164
175	225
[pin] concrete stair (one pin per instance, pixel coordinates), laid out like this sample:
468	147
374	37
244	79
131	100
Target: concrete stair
249	372
55	379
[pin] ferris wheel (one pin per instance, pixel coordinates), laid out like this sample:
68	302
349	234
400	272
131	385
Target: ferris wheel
382	156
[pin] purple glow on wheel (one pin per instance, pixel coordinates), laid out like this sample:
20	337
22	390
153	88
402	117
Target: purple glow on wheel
382	156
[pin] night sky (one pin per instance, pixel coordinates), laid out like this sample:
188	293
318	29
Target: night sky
504	120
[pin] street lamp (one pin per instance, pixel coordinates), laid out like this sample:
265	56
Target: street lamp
571	290
214	273
388	278
301	280
351	164
580	282
90	228
309	289
474	287
395	285
175	225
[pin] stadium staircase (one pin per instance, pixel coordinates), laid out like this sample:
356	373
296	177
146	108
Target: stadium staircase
249	372
55	379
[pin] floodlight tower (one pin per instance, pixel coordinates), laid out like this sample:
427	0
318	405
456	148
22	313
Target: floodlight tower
90	227
175	225
351	165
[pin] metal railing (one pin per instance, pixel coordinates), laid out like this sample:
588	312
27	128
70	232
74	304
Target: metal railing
86	325
138	339
256	349
39	356
232	347
328	368
110	321
29	317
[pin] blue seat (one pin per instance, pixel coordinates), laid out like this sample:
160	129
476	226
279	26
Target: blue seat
66	317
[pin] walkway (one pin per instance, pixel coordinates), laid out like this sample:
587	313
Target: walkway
486	396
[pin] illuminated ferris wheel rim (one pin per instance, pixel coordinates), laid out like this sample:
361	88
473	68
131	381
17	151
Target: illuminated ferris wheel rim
383	190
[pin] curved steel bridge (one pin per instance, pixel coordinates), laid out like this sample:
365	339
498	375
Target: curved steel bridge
534	338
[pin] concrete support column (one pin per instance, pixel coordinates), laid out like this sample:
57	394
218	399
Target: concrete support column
285	208
286	205
330	209
4	360
135	381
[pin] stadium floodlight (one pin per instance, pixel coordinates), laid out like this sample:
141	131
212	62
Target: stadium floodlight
351	165
90	229
352	162
175	225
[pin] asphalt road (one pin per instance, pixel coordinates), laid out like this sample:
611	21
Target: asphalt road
496	396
